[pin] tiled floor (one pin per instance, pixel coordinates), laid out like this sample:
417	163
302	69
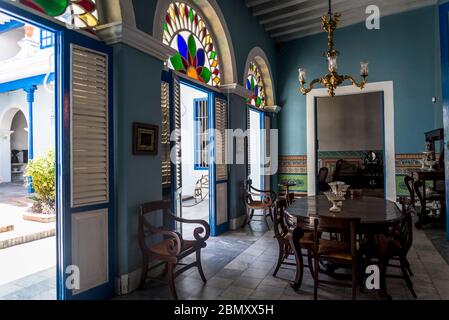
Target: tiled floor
192	211
239	265
38	286
439	240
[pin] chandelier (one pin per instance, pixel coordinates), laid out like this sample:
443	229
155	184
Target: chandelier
332	80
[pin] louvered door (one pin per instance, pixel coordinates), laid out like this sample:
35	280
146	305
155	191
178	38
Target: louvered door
165	139
86	238
219	168
171	143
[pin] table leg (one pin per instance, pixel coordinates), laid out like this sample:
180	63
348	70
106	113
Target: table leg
295	239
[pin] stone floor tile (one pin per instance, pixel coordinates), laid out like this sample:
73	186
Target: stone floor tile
235	293
267	292
247	282
218	282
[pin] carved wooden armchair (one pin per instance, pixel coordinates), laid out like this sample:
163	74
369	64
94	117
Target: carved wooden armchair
263	200
172	248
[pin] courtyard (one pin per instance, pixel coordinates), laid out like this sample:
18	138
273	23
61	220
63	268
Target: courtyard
28	252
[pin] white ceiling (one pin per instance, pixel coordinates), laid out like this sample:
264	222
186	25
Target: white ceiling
286	20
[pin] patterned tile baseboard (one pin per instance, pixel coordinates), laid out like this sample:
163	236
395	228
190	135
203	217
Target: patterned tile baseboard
295	168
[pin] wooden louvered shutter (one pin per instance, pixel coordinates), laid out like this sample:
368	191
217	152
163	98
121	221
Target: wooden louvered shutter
165	134
177	127
89	123
221	124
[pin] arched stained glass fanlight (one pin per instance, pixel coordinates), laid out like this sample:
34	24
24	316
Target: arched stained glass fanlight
254	84
76	13
185	31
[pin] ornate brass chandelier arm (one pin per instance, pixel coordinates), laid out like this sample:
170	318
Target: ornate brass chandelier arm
305	90
360	85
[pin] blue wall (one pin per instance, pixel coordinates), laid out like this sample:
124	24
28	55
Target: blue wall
246	34
138	178
404	50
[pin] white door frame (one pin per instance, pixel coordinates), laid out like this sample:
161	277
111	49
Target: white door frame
390	157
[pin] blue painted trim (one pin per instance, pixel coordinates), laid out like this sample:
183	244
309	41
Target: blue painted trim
26	16
444	38
25	83
262	151
10	25
106	290
216	229
212	169
196	102
193	85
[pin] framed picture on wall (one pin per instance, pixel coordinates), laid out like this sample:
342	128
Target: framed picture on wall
145	139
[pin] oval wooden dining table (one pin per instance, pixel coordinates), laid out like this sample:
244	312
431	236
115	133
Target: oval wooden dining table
376	215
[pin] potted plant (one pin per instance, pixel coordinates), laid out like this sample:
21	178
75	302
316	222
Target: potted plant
41	174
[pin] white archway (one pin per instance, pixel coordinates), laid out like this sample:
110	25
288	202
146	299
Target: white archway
260	58
113	11
215	23
390	156
6	119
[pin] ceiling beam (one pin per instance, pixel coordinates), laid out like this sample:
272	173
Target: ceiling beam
386	10
349	11
253	3
313	15
300	9
275	6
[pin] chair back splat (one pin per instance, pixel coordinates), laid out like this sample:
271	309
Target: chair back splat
339	249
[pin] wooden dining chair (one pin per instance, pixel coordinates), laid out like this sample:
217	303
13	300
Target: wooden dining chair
322	177
338	250
292	240
426	203
172	248
398	244
263	200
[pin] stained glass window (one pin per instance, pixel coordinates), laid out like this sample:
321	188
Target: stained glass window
76	13
185	31
254	84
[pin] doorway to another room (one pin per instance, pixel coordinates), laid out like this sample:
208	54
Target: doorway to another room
195	156
27	161
256	149
350	142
